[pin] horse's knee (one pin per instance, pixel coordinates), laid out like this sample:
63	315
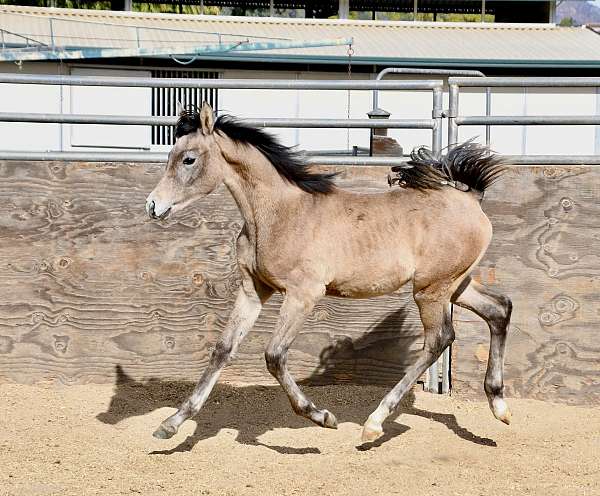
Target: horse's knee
507	305
437	323
274	358
222	353
445	339
437	343
500	315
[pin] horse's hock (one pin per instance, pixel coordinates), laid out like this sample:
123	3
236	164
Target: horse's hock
90	286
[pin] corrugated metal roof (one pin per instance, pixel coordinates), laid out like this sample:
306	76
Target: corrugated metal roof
375	42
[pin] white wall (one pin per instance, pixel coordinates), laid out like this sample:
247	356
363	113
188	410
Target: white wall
325	104
109	101
28	98
408	105
534	140
79	100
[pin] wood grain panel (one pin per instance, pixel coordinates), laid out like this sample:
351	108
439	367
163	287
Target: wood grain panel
89	284
546	256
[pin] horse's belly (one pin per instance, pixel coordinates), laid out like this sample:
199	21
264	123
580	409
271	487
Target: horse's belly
365	285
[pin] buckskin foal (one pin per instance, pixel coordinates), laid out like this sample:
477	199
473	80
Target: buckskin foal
306	238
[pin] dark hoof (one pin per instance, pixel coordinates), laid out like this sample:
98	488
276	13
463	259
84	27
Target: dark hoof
164	433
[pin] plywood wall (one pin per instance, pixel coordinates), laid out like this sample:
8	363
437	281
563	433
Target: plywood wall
546	256
88	284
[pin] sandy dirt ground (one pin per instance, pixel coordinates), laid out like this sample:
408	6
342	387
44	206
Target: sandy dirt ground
96	439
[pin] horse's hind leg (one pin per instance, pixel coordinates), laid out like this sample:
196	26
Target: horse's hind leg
495	309
434	308
251	296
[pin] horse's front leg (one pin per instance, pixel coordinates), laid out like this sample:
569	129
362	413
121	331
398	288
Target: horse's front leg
251	296
294	310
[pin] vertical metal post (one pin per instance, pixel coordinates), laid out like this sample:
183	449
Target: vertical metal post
452	114
446	370
524	128
61	137
128	5
437	114
446	355
272	8
51	33
482	10
201	7
415	9
597	128
433	378
137	36
488	112
452	140
432	383
344	9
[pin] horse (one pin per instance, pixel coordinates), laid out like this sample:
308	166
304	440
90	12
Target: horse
307	238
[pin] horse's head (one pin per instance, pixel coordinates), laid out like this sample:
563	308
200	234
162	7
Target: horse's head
194	167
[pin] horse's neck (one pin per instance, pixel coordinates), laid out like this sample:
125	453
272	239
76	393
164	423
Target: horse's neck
256	186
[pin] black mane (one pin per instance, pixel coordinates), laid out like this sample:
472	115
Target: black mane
468	163
289	163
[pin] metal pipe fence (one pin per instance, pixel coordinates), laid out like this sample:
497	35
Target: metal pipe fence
434	124
420	72
455	119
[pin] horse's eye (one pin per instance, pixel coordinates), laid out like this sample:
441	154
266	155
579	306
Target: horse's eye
188	160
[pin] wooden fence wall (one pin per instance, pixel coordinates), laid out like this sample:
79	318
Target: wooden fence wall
89	286
546	255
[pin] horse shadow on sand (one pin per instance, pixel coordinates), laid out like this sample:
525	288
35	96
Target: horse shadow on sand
255	410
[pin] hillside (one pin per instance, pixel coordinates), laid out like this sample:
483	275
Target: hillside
582	12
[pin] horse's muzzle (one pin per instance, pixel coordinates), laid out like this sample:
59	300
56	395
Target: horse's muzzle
151	209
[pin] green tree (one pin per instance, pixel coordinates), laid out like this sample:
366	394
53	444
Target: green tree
567	22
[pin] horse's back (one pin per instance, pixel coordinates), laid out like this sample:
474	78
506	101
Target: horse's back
378	242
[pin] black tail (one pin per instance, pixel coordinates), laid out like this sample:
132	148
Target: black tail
468	166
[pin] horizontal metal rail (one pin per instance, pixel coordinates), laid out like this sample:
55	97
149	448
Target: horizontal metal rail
273	84
169	121
153	157
543	160
419	71
529	120
526	82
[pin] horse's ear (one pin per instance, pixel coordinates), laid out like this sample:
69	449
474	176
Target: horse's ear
180	108
207	118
